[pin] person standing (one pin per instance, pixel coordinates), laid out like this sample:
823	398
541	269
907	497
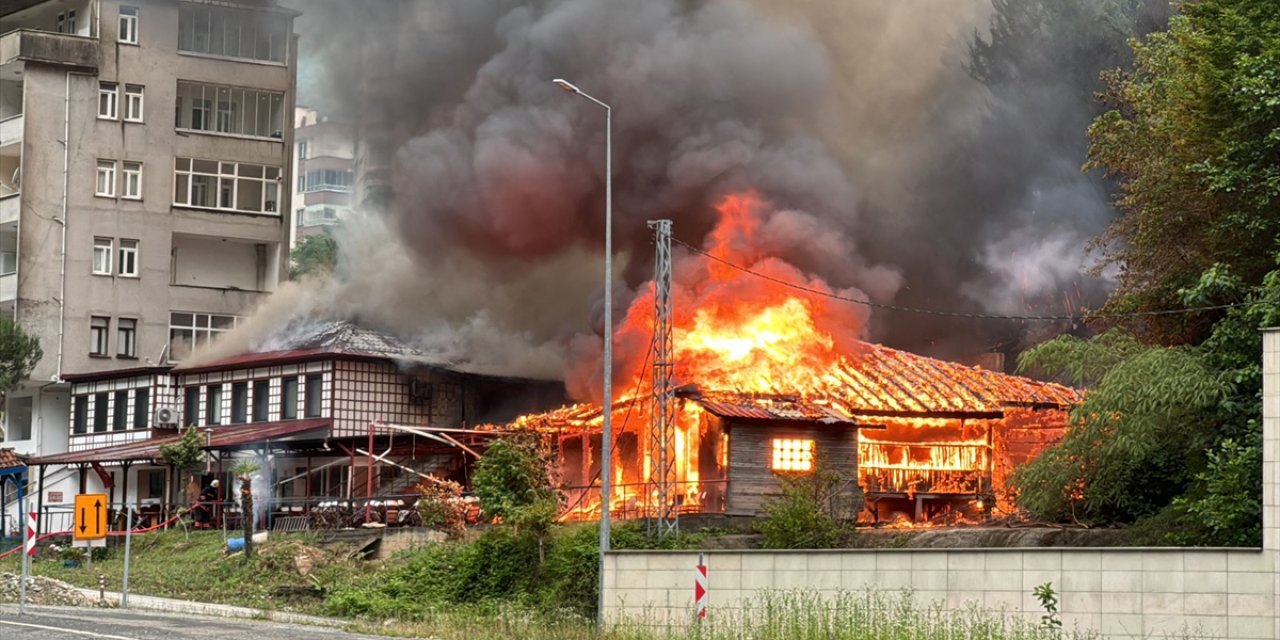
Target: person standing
202	512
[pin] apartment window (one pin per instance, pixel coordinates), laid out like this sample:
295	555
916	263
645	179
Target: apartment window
127	338
239	402
80	421
190	330
227	186
261	400
100	402
191	405
129	258
120	411
213	404
132	174
792	455
141	408
98	328
18	419
66	22
128	32
302	149
225	109
288	398
102	249
133	102
106	178
327	180
315	386
108	100
234	33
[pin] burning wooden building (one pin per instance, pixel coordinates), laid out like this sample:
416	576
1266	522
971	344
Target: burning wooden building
916	437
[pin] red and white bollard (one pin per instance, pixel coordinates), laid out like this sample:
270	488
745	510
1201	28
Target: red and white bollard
30	543
700	591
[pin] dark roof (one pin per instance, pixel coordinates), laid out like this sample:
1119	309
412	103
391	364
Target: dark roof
9	459
225	438
302	341
772	409
114	373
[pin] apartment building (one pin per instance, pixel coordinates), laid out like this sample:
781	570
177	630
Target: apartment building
324	158
146	151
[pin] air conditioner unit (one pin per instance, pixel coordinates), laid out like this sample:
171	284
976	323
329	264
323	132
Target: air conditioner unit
167	415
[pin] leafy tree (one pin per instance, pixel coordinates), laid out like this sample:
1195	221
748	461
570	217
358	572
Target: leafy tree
314	255
185	455
245	470
19	353
513	483
810	512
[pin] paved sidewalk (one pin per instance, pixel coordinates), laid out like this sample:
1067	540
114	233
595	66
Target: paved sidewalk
172	605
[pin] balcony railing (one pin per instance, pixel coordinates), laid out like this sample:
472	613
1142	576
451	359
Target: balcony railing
47	47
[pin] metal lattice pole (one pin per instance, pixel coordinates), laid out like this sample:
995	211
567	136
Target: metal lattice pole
664	510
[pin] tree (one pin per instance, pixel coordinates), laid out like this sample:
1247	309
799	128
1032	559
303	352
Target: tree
314	255
513	483
809	513
19	353
185	455
245	470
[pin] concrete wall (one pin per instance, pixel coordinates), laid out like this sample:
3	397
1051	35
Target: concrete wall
1120	593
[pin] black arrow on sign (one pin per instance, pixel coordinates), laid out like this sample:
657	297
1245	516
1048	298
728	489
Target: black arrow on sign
82	520
97	516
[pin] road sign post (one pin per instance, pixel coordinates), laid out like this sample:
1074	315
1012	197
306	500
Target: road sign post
28	552
128	542
90	520
700	592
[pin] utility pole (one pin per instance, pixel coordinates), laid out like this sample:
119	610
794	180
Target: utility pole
664	491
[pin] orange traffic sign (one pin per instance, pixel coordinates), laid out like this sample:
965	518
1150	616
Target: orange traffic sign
90	516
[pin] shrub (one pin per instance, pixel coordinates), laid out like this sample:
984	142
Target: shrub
808	514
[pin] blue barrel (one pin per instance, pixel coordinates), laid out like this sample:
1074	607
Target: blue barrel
235	544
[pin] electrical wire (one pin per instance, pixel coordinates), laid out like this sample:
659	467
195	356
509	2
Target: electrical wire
961	314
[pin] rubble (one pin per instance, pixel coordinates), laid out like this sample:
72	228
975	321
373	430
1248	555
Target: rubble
41	590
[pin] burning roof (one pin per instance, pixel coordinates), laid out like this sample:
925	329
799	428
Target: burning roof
310	340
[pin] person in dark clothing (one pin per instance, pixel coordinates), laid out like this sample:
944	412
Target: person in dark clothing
202	512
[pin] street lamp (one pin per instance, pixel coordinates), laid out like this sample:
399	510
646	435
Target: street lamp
606	460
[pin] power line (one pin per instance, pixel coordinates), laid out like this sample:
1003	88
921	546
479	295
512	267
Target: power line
960	314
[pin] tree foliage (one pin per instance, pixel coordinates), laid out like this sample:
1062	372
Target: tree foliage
19	353
314	256
186	454
810	512
514	484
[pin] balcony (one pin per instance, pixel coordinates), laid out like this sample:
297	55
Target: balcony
11	130
10	207
9	287
47	47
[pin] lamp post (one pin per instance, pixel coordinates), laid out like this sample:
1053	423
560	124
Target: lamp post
606	440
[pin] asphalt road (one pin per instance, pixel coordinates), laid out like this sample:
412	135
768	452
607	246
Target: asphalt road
68	623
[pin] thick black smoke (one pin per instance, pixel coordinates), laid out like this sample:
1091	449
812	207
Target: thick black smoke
903	156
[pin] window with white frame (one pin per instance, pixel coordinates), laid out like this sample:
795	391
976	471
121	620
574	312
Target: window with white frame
108	100
128	32
328	180
228	186
188	330
128	258
302	150
133	102
106	178
233	33
66	22
131	187
99	327
126	338
102	249
225	109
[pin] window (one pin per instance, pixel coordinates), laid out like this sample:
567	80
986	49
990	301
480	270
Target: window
225	109
151	483
228	186
66	22
190	330
128	32
234	33
792	455
239	402
315	386
108	99
106	178
288	398
100	402
191	406
126	338
81	420
128	258
98	327
102	249
261	400
132	188
327	180
18	419
302	150
141	407
133	102
120	411
213	404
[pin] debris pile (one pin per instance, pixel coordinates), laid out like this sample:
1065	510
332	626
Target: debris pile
41	590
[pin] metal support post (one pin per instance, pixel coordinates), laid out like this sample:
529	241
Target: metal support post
664	492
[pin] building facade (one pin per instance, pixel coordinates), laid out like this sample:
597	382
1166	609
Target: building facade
145	204
324	158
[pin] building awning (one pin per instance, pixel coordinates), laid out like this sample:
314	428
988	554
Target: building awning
234	437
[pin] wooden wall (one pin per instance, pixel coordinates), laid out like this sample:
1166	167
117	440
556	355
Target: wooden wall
751	480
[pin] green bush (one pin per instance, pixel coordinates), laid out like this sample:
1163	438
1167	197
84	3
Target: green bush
809	513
